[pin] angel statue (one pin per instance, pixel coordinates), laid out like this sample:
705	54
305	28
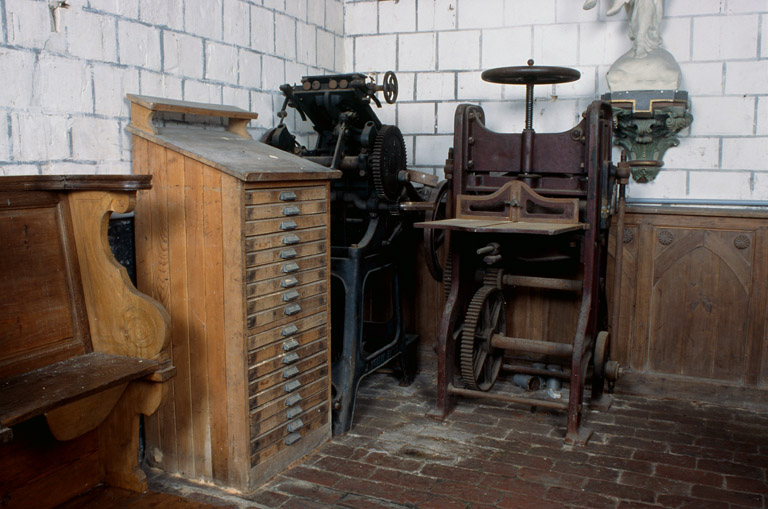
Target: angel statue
647	66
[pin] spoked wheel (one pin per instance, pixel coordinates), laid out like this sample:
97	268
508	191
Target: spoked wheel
486	316
435	238
390	87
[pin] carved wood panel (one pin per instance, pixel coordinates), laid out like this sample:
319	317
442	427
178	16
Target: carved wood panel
694	295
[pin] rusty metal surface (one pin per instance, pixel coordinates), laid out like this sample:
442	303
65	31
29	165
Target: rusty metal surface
561	170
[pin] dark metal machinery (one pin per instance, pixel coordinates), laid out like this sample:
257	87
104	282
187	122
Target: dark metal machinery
370	209
527	210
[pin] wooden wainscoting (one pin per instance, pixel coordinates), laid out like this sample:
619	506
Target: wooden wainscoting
693	311
693	307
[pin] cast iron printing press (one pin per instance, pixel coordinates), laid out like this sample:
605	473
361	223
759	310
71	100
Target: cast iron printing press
528	212
372	206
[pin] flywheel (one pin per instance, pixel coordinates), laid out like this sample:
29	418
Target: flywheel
387	161
434	238
486	316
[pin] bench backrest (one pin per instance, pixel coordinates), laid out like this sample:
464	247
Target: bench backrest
42	312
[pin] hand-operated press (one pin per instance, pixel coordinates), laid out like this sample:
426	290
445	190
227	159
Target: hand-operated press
370	209
527	210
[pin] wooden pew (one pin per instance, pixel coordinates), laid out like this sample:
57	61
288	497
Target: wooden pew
79	346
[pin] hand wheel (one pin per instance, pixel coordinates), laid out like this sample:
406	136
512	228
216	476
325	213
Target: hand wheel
389	86
529	76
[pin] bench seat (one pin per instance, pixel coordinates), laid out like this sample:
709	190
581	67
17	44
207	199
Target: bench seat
36	392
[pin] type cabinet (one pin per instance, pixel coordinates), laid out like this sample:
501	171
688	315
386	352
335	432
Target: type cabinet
234	240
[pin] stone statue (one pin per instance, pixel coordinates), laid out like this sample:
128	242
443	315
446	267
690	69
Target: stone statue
647	66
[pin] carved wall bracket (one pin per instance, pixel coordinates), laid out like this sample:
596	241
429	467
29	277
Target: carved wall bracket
646	124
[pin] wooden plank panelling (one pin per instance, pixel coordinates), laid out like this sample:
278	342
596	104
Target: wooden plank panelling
177	255
234	329
198	350
214	319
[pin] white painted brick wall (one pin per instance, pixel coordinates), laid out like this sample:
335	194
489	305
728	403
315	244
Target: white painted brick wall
307	45
92	138
64	110
721	46
5	141
416	52
220	62
397	16
28	23
183	54
68	87
164	13
52	132
139	45
237	29
92	36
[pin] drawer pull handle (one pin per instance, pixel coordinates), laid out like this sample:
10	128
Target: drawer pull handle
292	438
293	399
287	196
291	372
288	225
291	211
288	330
291	344
290	240
290	358
290	267
292	309
295	426
292	385
288	254
293	412
289	282
289	296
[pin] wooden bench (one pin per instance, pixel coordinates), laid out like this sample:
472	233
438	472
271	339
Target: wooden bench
79	344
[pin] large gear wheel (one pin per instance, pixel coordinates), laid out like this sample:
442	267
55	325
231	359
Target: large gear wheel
387	161
486	316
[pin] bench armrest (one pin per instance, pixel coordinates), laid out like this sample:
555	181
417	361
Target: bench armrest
122	320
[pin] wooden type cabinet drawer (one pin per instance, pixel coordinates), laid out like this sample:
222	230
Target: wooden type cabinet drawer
234	239
287	293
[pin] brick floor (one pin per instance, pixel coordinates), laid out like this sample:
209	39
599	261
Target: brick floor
644	453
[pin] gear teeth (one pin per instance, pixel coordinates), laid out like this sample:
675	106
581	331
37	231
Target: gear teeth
447	274
467	355
379	167
493	278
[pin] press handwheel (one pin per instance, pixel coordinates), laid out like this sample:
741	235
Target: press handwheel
529	76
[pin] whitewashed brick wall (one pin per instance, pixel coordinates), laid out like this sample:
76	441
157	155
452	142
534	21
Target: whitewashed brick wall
439	48
63	108
62	99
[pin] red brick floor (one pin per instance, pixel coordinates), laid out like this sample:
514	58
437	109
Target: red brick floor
644	453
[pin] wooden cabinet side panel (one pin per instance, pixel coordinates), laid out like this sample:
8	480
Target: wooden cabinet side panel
181	398
161	291
214	318
151	226
199	417
233	224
